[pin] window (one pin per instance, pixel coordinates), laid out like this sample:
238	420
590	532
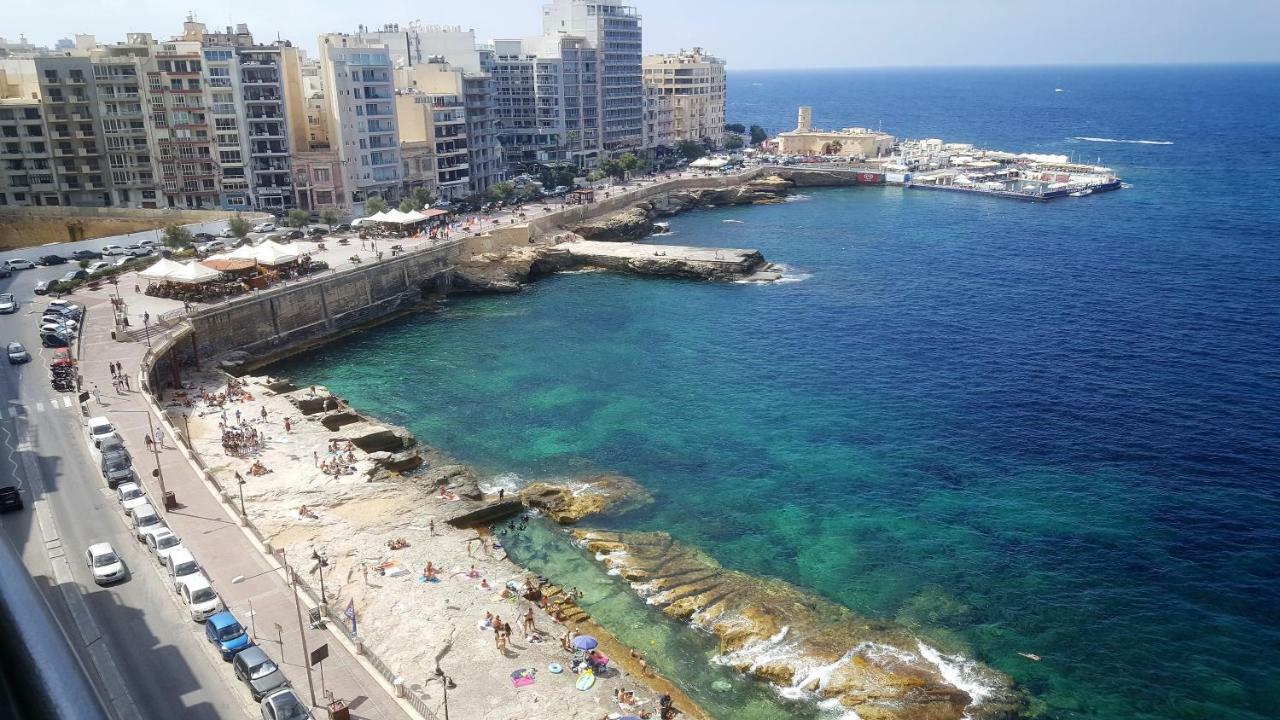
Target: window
320	174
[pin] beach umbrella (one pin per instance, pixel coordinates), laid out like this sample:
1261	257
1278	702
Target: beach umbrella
585	642
193	273
160	270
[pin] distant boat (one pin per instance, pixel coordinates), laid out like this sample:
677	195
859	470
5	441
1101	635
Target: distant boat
1082	193
1058	90
735	222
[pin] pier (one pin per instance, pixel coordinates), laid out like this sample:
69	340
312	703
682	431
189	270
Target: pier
671	260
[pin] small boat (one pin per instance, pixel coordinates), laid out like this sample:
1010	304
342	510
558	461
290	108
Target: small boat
735	222
1082	193
1031	656
1058	90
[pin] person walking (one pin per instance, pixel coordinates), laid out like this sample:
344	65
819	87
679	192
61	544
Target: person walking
160	438
287	426
148	442
97	395
126	381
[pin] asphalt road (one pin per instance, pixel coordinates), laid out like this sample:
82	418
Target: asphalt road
142	651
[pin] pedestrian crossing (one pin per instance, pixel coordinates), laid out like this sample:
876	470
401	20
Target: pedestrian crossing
57	403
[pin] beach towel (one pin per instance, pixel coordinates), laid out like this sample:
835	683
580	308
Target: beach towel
522	677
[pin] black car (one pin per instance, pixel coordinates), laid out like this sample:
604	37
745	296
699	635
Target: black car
86	255
317	232
75	275
51	260
202	237
294	235
10	499
315	266
342	227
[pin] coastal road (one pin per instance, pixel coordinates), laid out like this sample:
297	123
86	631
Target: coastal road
145	657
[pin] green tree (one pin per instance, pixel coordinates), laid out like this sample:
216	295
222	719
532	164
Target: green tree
735	128
595	176
329	217
529	191
691	149
374	205
732	142
554	176
84	264
421	197
758	135
239	227
406	205
176	236
621	166
297	218
501	192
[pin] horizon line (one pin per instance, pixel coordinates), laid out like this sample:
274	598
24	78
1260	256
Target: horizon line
989	66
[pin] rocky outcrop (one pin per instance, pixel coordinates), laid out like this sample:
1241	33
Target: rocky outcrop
507	272
568	503
776	633
636	223
814	177
371	438
628	225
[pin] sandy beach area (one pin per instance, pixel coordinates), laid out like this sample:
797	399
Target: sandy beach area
382	534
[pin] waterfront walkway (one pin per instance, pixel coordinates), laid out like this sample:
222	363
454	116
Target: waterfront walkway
211	531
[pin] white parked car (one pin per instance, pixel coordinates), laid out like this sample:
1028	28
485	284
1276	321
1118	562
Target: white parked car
148	243
137	250
264	227
8	304
130	496
98	267
53	326
105	563
162	544
112	250
179	564
285	705
200	598
19	264
144	519
100	428
226	233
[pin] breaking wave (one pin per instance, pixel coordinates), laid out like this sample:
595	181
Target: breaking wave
1086	138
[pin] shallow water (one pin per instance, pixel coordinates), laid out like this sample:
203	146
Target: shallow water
1013	427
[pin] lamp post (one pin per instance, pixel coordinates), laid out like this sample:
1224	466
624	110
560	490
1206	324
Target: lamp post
297	605
146	327
447	684
240	482
155	447
322	562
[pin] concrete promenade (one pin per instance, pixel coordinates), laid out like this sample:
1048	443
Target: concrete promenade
210	529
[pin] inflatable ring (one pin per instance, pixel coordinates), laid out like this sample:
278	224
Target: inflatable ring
555	668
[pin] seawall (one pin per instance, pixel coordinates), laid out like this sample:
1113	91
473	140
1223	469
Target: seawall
275	322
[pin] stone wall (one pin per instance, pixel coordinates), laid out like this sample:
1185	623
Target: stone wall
32	226
282	320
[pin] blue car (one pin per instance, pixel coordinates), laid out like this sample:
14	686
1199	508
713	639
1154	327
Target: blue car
226	634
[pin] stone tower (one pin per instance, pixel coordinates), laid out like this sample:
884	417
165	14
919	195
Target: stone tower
804	120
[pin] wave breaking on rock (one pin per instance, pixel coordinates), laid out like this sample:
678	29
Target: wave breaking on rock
807	647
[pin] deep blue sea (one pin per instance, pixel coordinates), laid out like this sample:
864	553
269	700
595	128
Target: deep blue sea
1045	428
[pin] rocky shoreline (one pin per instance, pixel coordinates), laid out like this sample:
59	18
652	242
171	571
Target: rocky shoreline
384	517
805	646
507	272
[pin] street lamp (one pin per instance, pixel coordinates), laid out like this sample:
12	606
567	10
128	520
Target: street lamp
155	447
240	483
146	326
447	684
297	605
322	562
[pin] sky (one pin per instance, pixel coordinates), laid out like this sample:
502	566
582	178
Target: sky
753	34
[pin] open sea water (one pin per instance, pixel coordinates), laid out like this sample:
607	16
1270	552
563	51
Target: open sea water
1014	427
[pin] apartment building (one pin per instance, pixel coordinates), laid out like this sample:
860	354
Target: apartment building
415	44
614	31
26	173
659	119
119	73
359	98
432	118
695	83
317	170
69	94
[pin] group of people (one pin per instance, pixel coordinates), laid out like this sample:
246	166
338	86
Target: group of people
241	440
341	460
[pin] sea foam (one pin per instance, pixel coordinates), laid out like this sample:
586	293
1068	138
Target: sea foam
1087	138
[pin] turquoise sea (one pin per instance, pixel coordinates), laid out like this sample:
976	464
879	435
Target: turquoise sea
1013	427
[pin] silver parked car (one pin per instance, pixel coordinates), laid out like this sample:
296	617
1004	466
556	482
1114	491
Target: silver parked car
255	669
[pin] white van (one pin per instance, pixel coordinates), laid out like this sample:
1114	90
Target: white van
142	518
199	597
178	565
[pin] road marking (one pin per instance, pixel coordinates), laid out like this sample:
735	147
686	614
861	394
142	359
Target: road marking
39	407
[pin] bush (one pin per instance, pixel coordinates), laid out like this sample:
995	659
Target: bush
374	205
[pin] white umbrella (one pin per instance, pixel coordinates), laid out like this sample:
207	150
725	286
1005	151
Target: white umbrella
193	272
394	216
160	269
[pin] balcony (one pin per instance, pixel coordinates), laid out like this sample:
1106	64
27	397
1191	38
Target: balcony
268	150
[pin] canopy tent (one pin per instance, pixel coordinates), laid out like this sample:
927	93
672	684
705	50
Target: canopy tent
272	253
192	273
160	269
244	252
413	216
433	212
394	217
709	162
376	217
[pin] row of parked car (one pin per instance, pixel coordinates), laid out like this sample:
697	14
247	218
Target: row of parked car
184	576
60	323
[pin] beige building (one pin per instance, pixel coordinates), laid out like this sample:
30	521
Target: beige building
695	82
849	142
